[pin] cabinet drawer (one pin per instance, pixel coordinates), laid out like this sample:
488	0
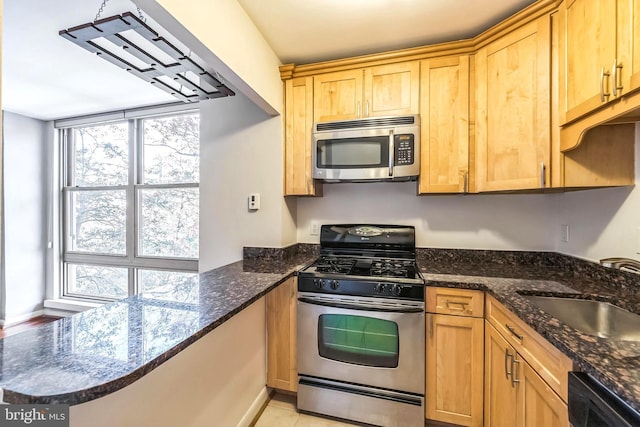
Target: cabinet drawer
548	362
459	302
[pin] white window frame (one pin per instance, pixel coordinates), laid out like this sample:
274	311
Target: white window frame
59	205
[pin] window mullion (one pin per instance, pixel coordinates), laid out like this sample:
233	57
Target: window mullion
131	199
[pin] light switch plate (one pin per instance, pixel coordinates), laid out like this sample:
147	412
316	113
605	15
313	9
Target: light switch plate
638	240
314	228
254	201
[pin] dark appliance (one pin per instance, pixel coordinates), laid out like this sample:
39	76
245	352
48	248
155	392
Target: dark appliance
361	330
593	405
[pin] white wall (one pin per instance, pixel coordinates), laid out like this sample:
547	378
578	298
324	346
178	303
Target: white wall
221	33
217	381
241	152
602	223
506	221
24	215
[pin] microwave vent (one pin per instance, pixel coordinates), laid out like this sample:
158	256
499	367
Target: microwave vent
367	123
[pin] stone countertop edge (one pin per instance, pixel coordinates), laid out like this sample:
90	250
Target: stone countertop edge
248	286
614	363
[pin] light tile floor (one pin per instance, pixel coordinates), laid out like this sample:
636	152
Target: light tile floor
281	412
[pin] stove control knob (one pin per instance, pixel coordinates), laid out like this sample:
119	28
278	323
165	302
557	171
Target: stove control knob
380	288
318	283
335	284
396	290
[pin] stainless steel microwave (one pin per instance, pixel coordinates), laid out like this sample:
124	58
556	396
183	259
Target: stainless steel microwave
369	149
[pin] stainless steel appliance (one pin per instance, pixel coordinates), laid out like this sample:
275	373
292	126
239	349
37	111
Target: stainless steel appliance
593	405
361	327
369	149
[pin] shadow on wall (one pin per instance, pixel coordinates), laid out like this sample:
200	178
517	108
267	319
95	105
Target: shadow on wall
602	222
506	221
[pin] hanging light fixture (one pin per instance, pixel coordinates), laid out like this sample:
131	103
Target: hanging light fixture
128	42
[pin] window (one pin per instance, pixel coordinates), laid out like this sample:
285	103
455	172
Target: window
130	208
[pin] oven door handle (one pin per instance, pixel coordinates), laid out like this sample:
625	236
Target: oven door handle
363	306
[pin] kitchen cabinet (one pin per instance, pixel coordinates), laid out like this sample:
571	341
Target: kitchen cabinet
602	63
298	124
282	366
444	116
384	90
516	396
454	356
513	104
526	382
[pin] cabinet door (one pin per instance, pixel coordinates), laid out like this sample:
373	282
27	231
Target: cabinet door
500	394
282	366
392	89
513	109
631	36
541	405
337	96
591	48
455	363
298	126
444	116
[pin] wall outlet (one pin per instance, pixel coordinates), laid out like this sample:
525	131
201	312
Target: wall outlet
638	240
564	233
314	228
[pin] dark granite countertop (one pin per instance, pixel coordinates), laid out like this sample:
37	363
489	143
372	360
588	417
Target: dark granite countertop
99	351
508	275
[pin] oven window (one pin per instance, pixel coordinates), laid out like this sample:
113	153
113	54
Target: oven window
359	340
348	153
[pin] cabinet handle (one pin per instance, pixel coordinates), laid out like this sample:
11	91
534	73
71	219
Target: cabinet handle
603	95
431	326
391	152
462	305
513	332
515	367
464	182
358	109
542	175
507	355
616	77
366	111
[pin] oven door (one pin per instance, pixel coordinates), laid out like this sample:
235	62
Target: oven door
368	341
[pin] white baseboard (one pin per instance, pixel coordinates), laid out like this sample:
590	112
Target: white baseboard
255	408
14	320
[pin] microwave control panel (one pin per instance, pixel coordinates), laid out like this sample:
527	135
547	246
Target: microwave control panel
404	149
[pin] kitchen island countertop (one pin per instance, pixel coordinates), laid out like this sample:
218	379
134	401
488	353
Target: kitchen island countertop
99	351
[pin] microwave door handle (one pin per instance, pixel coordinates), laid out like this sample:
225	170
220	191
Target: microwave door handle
391	153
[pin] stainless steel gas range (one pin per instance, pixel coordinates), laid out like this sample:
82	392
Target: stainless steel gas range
361	327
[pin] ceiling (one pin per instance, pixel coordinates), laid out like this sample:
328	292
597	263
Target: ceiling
47	77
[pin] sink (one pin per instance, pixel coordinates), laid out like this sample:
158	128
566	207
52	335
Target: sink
597	318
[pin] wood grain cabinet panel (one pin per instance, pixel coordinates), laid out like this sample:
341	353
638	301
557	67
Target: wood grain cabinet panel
444	116
298	123
454	356
454	369
501	396
282	366
602	59
384	90
513	110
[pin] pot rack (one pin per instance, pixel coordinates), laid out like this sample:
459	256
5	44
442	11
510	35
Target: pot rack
128	42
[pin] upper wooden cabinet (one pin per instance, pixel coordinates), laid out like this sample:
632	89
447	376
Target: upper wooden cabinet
383	90
444	116
513	109
602	62
298	124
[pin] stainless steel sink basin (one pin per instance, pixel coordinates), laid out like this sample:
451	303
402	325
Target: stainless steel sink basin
596	318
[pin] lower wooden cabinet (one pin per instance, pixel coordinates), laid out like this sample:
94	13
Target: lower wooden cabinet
454	356
282	366
515	395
